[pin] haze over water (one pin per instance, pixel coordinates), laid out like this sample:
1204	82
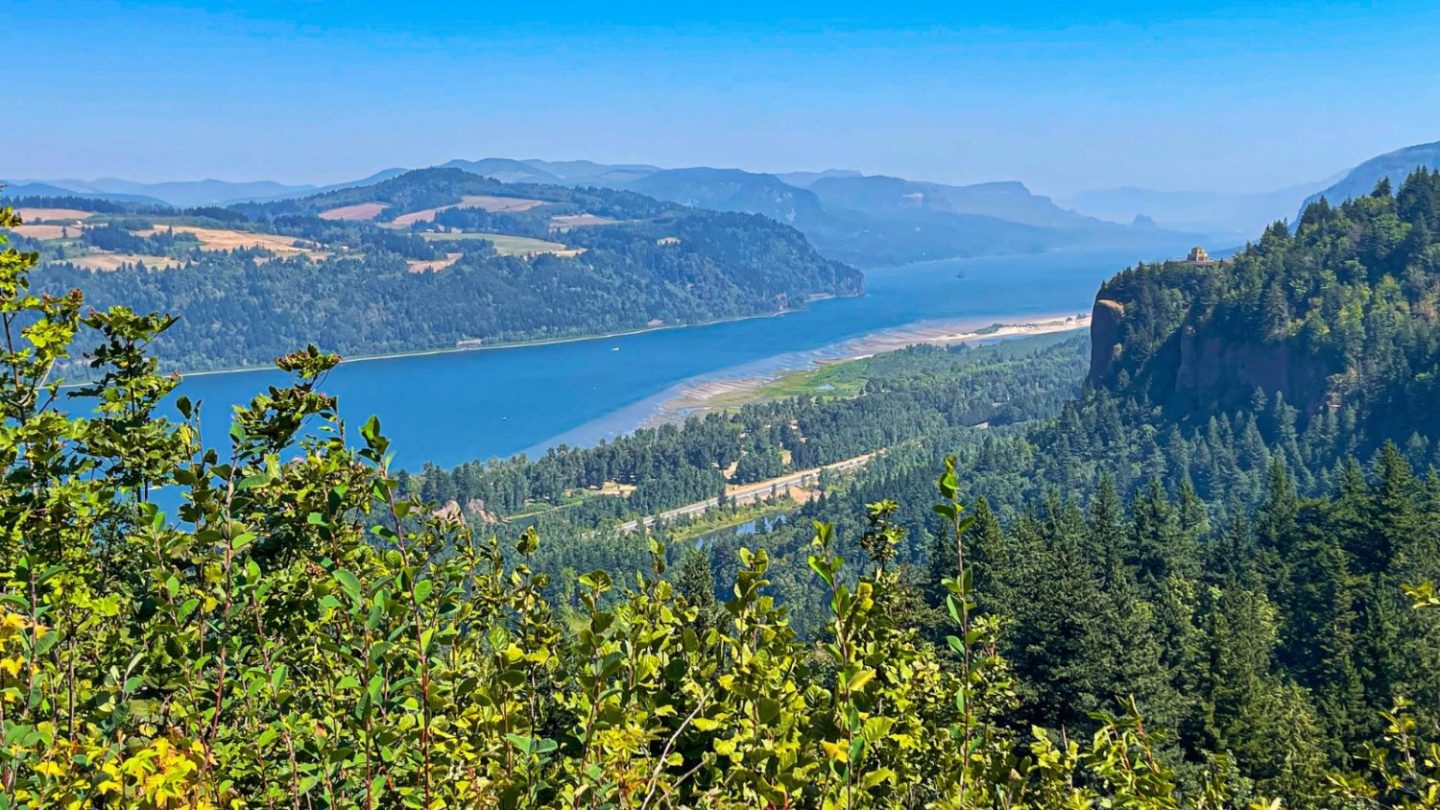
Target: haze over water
456	407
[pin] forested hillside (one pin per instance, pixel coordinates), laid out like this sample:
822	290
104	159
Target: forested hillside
1340	315
431	259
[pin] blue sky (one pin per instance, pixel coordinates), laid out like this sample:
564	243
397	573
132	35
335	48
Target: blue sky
1064	96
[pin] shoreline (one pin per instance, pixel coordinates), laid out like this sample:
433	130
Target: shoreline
517	344
724	393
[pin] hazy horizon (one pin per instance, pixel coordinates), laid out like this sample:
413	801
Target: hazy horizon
1096	96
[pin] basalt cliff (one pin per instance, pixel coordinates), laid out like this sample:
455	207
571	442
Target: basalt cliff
1338	315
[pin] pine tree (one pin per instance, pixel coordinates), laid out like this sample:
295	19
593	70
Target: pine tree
1107	543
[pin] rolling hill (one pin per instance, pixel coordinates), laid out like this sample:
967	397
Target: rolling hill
27	188
431	259
867	221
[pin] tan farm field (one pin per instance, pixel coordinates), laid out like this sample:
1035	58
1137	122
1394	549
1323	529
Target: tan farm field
43	232
218	239
363	212
62	215
106	262
485	202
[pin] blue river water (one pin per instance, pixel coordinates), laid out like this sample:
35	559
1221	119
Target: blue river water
454	407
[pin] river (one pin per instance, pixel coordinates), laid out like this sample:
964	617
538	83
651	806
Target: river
453	407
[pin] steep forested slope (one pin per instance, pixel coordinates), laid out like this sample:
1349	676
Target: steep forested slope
1340	314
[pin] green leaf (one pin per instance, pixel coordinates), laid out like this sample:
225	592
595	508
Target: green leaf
252	481
954	608
864	676
822	570
857	750
349	584
45	642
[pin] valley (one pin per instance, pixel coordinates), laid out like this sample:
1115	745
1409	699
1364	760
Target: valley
509	403
969	406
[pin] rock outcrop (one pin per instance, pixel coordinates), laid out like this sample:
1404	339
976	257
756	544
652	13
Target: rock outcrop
1189	363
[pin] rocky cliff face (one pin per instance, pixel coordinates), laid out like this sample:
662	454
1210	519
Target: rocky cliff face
1188	362
1105	347
1214	369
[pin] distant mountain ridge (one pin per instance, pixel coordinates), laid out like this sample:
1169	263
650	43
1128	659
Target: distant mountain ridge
1008	200
184	193
1244	216
1395	166
42	189
181	193
865	220
1232	217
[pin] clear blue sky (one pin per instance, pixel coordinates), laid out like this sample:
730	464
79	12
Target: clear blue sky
1065	96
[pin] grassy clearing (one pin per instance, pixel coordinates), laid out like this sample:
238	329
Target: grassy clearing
220	239
499	205
507	245
419	266
106	262
62	215
364	212
568	221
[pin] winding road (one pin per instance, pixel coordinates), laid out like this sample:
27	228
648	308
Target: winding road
749	493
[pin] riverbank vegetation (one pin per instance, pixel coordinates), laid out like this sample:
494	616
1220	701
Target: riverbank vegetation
907	394
252	281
